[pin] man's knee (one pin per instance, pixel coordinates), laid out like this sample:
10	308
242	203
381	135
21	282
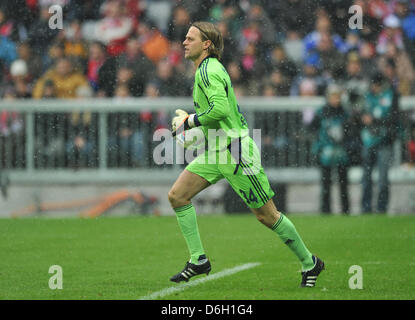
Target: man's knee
173	196
177	199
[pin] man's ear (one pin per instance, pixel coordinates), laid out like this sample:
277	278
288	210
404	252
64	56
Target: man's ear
207	44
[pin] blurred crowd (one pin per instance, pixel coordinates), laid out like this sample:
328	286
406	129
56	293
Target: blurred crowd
122	48
133	48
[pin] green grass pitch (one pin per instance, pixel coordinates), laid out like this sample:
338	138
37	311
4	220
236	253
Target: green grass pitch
131	257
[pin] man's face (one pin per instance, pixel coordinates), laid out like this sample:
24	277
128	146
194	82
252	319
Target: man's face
63	68
334	99
376	88
193	44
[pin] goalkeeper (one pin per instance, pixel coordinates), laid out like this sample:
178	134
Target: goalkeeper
216	108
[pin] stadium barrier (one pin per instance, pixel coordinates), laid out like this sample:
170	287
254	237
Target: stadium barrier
89	141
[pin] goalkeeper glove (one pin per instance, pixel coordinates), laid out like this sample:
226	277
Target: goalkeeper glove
182	121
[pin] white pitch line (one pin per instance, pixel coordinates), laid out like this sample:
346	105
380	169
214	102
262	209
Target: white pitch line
181	287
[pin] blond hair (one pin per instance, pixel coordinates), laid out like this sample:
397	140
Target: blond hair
209	31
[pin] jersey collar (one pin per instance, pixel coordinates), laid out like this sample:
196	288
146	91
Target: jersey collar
202	61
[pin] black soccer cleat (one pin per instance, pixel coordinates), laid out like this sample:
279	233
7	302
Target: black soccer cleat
309	277
190	270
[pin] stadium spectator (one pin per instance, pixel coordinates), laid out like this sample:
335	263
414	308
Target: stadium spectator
66	80
252	68
40	36
125	76
175	56
338	11
257	14
126	138
379	9
353	41
11	122
113	29
323	27
11	133
294	47
216	11
49	90
380	126
152	90
371	25
331	123
122	91
81	145
107	77
308	88
153	43
410	144
294	16
33	61
198	9
167	80
96	58
395	63
8	51
389	71
7	25
279	82
159	12
239	82
141	67
178	24
268	90
231	44
229	12
82	10
75	47
310	70
367	54
407	19
20	79
180	65
392	33
11	136
250	35
56	51
21	14
355	85
279	60
331	60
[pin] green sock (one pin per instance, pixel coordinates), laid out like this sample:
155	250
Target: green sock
186	217
287	232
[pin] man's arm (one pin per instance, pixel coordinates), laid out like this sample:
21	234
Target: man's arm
214	89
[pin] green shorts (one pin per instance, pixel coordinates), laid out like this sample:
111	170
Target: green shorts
240	166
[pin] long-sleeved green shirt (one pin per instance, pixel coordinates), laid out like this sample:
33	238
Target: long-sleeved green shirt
215	102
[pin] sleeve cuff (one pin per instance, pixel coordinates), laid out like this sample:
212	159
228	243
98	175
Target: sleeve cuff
193	121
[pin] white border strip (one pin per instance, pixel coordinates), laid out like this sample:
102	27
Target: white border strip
181	287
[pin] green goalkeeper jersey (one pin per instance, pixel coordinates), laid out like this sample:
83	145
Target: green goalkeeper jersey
215	102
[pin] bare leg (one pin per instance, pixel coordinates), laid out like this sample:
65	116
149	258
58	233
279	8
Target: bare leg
187	185
267	214
184	189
